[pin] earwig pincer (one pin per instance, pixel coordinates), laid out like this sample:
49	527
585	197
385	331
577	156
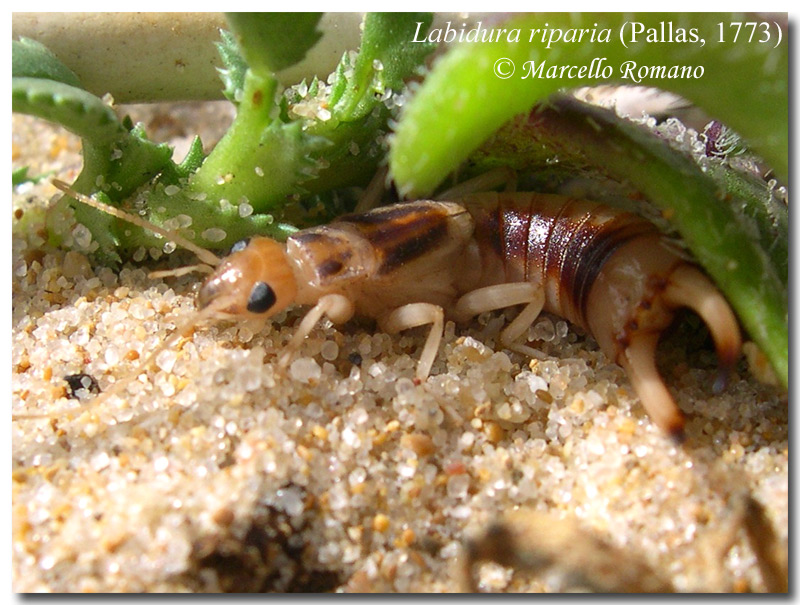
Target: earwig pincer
416	263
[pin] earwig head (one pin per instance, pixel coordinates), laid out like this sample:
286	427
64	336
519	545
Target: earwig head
255	281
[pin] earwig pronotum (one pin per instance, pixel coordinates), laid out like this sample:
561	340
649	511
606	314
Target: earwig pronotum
415	263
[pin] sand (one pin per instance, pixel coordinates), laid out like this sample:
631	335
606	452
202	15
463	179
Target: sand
220	471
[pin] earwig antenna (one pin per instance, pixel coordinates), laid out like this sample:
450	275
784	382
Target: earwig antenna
204	255
115	388
201	268
502	176
372	194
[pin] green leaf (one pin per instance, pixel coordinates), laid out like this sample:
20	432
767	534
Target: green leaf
30	59
270	42
133	160
20	176
386	58
193	160
260	159
78	111
234	69
176	174
462	102
119	156
208	222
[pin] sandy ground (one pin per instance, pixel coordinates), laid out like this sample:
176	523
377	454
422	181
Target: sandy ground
220	471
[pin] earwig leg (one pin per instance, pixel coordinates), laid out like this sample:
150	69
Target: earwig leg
639	362
511	334
690	288
419	314
687	287
491	298
337	307
500	297
483	182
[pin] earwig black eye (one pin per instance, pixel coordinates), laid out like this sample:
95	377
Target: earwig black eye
262	297
240	245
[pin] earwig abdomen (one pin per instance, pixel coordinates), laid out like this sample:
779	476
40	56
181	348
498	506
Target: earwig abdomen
607	271
559	242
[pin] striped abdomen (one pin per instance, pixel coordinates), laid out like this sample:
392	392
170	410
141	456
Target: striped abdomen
563	243
607	271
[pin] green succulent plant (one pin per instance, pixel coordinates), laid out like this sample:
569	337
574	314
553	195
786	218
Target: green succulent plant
291	153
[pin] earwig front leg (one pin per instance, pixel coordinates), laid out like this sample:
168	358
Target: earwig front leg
411	316
501	296
337	307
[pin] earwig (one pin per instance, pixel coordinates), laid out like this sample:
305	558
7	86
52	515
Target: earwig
415	263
